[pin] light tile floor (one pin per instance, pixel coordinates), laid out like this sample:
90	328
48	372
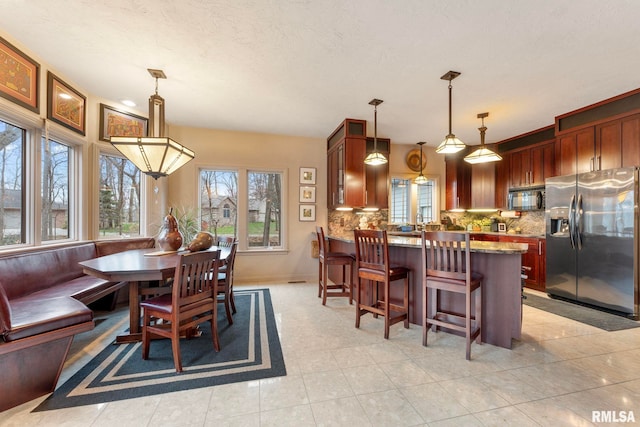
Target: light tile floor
557	374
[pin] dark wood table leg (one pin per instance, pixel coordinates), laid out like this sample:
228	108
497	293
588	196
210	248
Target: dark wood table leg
134	334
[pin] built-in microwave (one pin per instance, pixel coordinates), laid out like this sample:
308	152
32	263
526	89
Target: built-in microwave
529	199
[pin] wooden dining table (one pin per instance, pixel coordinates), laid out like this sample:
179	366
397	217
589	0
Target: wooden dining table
135	266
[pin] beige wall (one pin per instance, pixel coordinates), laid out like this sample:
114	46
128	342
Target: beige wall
219	148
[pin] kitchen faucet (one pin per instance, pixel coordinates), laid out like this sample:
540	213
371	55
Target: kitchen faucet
419	220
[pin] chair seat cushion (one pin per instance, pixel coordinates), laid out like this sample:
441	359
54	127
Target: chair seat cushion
335	256
33	316
161	303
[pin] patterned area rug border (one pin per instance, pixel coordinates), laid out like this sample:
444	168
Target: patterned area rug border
250	350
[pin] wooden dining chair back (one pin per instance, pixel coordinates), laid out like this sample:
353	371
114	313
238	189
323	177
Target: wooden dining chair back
327	258
374	269
225	283
447	266
191	302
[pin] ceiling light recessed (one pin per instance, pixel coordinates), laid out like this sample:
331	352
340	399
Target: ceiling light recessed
128	103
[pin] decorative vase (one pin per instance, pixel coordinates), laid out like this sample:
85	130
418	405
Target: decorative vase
170	238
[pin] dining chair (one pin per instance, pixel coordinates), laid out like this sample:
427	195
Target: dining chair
225	279
374	268
447	261
327	258
191	302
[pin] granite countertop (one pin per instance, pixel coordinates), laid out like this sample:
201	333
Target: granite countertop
495	233
476	245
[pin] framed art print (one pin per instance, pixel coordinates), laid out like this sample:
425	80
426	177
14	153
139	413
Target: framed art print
308	176
19	77
307	194
307	212
119	123
65	105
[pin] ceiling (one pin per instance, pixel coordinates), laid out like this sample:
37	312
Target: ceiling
299	67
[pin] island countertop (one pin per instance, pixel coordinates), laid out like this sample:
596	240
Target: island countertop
479	246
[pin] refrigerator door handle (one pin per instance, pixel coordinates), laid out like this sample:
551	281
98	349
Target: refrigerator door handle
579	225
572	211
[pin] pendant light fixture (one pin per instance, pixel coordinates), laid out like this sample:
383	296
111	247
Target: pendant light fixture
155	155
420	179
482	154
375	158
451	144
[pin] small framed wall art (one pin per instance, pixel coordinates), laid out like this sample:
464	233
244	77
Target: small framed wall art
19	77
307	194
119	123
65	105
307	212
308	176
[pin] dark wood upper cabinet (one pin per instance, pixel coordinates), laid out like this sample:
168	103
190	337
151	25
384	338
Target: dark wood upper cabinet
530	166
458	182
346	178
502	181
483	185
377	177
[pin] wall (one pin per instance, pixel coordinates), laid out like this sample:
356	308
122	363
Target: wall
229	149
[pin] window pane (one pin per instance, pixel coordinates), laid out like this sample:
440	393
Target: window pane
400	199
425	201
55	190
264	215
12	144
218	202
119	204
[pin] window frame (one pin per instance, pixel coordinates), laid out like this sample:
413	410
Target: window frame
413	197
242	230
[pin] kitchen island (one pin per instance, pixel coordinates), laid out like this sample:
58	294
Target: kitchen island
499	262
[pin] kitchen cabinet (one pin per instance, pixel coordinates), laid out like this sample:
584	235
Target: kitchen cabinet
502	181
534	258
484	237
377	177
532	165
346	175
483	185
458	182
574	151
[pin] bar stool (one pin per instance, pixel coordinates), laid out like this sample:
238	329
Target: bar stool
326	258
447	262
372	261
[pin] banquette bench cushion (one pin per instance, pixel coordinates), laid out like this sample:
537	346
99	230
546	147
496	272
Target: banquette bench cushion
5	312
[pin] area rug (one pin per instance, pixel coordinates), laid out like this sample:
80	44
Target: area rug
580	313
250	350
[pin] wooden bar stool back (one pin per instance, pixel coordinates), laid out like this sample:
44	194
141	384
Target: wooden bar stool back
448	269
327	258
372	263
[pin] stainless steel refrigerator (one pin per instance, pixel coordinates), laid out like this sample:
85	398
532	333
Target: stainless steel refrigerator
592	238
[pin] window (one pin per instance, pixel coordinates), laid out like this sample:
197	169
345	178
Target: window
56	159
119	205
411	203
12	198
218	202
244	204
265	208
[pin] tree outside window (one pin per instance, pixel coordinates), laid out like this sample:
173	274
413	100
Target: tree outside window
119	201
218	202
55	190
12	146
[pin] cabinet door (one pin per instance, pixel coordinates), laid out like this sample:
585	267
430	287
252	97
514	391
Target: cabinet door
483	183
519	168
354	172
542	163
630	144
332	179
502	182
575	152
458	182
608	148
377	177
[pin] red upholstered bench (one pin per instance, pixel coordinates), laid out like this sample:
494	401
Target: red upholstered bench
43	297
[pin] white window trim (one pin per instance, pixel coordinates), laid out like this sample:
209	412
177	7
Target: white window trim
413	197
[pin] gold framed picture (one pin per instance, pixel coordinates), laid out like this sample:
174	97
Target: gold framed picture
65	105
